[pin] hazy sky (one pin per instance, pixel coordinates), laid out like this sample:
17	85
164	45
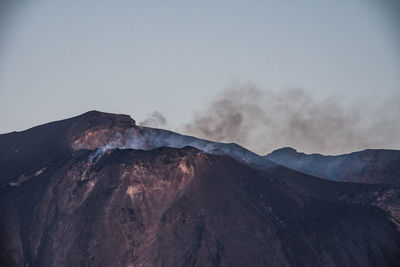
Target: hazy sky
62	58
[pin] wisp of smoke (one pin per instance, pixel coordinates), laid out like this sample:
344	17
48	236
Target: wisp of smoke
264	120
155	119
146	138
134	141
113	143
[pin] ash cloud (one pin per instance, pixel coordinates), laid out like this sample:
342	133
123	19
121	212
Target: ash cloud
264	120
155	119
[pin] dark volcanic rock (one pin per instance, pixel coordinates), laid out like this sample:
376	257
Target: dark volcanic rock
368	166
27	152
180	207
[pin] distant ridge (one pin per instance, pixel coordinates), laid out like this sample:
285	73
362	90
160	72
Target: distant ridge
367	166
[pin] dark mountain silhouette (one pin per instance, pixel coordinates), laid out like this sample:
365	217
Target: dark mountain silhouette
367	166
97	190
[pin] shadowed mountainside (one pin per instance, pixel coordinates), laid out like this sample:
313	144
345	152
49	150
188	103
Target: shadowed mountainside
94	190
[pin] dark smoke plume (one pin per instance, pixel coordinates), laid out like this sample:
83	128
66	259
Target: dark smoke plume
155	119
265	120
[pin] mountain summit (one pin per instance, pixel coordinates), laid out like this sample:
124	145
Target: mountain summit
99	190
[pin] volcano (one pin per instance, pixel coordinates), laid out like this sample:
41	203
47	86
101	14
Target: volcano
99	190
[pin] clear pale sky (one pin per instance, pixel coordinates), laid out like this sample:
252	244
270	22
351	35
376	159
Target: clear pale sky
62	58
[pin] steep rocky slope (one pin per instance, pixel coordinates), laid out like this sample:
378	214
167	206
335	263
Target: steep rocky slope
74	204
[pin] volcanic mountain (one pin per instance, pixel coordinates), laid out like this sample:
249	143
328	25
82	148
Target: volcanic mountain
98	190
